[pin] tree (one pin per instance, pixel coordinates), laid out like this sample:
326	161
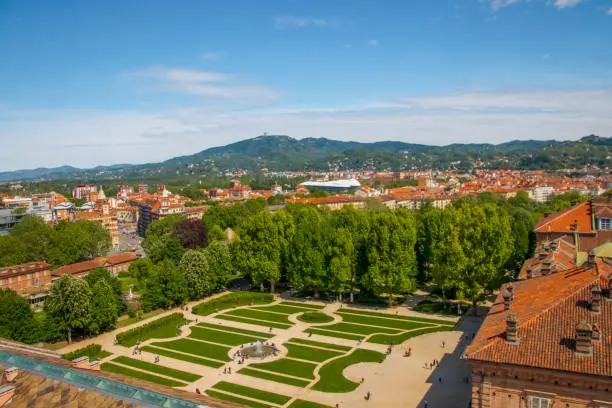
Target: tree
524	238
196	270
342	261
98	239
191	233
219	263
141	269
17	320
12	251
35	234
215	233
68	302
103	308
158	234
390	252
166	287
430	226
101	274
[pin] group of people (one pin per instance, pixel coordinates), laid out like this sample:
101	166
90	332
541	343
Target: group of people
431	364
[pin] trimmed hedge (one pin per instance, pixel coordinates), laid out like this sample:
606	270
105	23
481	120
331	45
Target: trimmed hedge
93	351
304	305
315	317
231	300
393	316
158	329
113	368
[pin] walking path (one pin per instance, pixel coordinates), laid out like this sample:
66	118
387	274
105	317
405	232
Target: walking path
396	382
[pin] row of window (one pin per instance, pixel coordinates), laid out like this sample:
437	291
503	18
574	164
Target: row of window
21	278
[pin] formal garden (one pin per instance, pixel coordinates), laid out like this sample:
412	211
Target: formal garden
314	343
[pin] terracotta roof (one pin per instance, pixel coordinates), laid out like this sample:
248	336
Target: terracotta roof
562	221
559	254
548	309
23	269
85	266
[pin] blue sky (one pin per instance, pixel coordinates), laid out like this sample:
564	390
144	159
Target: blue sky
102	82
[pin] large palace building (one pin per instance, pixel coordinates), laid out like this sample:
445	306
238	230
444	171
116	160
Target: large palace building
547	342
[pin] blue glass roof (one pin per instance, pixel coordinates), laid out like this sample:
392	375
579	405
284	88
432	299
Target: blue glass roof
94	383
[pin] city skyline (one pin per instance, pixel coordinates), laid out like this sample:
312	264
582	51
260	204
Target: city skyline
105	82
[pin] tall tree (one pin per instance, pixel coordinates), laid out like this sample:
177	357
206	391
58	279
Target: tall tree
101	274
68	302
103	308
166	287
35	234
342	261
196	269
191	233
219	263
12	251
391	255
17	320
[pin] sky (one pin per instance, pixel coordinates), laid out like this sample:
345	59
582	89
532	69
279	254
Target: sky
96	82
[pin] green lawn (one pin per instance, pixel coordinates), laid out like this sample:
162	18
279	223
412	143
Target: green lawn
197	347
251	392
260	315
127	283
230	300
331	378
132	320
93	351
235	330
304	305
284	309
398	317
252	321
362	330
113	368
319	344
308	353
339	335
158	369
315	317
290	367
157	329
230	398
400	338
222	337
376	321
306	404
179	356
273	377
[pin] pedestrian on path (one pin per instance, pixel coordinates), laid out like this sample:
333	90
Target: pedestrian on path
224	370
229	370
443	344
426	404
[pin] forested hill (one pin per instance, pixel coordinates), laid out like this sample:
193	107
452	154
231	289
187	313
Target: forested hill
278	153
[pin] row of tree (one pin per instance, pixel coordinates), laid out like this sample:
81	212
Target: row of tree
33	239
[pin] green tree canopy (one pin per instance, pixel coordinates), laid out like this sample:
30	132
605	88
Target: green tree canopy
68	303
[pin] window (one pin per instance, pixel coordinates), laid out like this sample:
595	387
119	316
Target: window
605	223
540	402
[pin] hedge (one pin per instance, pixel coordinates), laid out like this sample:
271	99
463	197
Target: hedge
158	329
231	300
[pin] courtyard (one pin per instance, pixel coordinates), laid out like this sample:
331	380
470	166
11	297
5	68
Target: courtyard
326	354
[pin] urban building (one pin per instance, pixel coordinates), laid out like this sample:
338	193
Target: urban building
106	218
83	191
546	342
335	186
114	264
31	280
8	219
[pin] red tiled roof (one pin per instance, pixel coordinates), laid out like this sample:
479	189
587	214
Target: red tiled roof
85	266
16	270
562	221
547	309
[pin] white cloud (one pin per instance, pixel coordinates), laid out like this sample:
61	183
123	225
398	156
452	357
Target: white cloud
499	4
566	3
211	56
202	83
372	42
89	138
301	22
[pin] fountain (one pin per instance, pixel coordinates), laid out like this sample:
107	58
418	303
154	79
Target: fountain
257	350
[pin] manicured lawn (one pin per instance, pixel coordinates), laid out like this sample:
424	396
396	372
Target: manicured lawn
400	338
284	309
252	321
127	283
260	315
179	356
305	305
319	344
222	337
156	368
335	334
113	368
441	307
235	330
289	367
196	347
315	317
230	398
375	321
230	300
132	320
310	354
398	317
93	351
331	378
251	392
273	377
157	329
306	404
357	329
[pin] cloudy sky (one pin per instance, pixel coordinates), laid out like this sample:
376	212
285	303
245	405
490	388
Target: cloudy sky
130	81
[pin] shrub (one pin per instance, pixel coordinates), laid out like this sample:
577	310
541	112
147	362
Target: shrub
160	328
441	307
230	300
131	312
93	351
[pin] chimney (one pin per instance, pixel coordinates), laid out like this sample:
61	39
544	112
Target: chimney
507	299
511	290
584	339
554	245
596	334
511	330
542	255
596	299
10	374
592	259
